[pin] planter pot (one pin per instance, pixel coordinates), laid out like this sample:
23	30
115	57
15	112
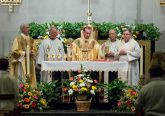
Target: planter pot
83	106
81	97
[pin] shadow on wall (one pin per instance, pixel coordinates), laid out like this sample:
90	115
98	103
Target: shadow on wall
159	45
162	9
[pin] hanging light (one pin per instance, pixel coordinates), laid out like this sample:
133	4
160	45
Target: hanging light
11	4
162	2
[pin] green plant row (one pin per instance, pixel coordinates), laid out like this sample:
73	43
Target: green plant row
72	30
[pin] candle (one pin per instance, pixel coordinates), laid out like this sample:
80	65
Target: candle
141	61
28	60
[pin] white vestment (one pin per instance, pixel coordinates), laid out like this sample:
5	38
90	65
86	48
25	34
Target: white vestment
111	46
50	50
133	54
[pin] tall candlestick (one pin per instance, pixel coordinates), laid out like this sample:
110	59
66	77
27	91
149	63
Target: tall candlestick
28	60
141	62
89	6
89	14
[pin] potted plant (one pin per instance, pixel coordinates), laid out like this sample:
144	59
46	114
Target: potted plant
52	92
126	102
115	89
82	88
31	99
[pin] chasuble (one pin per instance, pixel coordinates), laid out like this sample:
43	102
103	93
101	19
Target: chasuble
19	62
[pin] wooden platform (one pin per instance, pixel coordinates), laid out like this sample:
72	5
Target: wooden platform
97	109
75	113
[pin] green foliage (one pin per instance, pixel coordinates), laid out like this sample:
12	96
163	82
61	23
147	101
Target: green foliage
103	28
51	90
37	29
149	31
115	89
72	30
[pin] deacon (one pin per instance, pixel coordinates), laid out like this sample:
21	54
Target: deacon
129	50
22	57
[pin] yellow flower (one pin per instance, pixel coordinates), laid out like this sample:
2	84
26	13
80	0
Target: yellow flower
45	37
133	109
26	85
94	87
84	89
80	81
43	101
74	86
29	93
27	106
134	36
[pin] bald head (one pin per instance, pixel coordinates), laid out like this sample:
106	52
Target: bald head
112	35
53	32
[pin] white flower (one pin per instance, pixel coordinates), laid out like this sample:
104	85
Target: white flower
119	34
124	29
89	80
82	84
92	92
70	91
80	75
127	25
72	83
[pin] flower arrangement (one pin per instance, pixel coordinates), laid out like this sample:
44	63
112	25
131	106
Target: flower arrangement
30	98
127	100
81	84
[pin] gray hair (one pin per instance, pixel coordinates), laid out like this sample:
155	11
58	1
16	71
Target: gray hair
22	26
52	27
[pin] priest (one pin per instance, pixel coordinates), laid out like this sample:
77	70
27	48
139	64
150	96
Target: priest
22	57
110	46
108	50
85	48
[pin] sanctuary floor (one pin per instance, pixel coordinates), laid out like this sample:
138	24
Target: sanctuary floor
97	109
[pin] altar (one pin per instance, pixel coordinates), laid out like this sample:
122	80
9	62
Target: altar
118	66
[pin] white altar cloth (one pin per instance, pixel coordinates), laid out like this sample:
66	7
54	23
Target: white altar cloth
88	65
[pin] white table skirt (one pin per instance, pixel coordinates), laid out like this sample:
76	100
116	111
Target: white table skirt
88	65
119	66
